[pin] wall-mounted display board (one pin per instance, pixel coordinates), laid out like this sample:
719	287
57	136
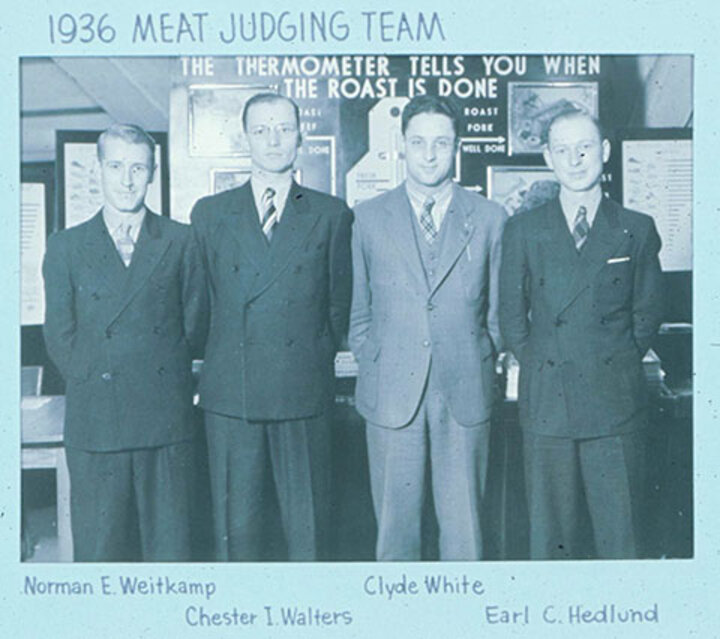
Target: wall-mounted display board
351	106
36	217
657	180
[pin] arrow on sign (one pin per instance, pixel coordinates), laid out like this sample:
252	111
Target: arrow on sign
499	140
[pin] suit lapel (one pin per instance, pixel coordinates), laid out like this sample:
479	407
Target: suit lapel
602	241
150	248
399	226
296	223
558	238
457	235
243	224
100	254
560	257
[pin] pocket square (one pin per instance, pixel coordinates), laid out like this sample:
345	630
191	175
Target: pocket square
617	260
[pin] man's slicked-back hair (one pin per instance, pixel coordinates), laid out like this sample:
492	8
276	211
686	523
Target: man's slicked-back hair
266	98
130	133
431	104
568	113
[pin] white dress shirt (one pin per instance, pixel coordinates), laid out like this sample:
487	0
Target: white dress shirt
259	183
114	220
570	208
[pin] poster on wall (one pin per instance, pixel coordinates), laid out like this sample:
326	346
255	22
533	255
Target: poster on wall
214	123
32	250
657	180
531	105
350	113
521	188
226	179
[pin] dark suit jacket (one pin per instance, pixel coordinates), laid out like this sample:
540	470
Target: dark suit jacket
580	324
279	310
123	338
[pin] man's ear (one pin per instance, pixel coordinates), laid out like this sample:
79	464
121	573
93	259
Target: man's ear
299	139
606	150
152	172
547	157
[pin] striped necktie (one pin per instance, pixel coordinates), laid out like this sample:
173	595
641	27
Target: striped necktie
270	213
426	221
124	243
581	228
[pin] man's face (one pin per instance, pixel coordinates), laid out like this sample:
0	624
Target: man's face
126	170
273	136
576	153
430	146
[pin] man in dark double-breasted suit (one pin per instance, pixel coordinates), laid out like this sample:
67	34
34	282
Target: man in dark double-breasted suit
278	264
580	303
126	307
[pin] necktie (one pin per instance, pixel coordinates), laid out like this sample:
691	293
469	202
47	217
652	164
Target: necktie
581	228
124	243
426	221
270	214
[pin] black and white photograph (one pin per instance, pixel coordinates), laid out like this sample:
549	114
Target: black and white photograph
356	308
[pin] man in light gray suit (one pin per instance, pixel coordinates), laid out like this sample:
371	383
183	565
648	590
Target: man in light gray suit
424	330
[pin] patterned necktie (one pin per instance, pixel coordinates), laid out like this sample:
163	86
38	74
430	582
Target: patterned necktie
124	243
270	214
581	228
426	221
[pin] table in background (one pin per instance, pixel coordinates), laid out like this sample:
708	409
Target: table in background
42	421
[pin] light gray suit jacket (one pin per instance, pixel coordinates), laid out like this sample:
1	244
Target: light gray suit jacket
399	322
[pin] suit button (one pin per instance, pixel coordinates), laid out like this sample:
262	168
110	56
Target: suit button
235	268
161	370
430	306
559	322
426	343
108	333
106	377
156	330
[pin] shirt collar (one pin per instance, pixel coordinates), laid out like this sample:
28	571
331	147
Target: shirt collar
114	219
442	196
570	206
260	182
